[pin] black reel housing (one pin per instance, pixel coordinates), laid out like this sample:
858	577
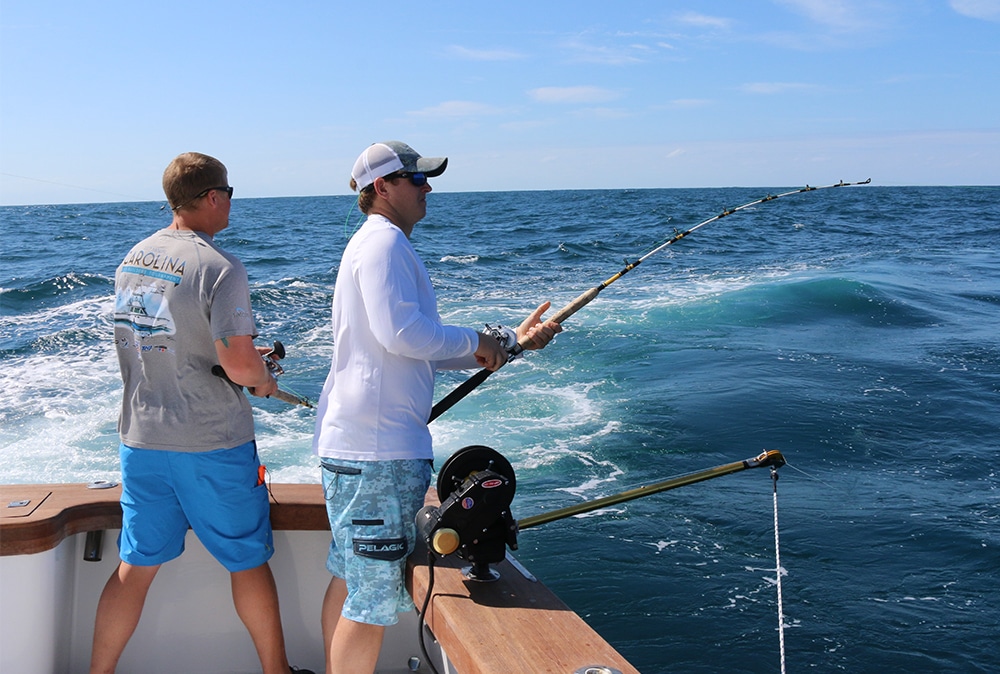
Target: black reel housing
476	487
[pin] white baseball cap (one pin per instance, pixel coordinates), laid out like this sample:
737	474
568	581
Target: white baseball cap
381	159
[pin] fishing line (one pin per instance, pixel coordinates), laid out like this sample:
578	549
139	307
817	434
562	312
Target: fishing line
586	297
812	477
777	573
350	209
77	187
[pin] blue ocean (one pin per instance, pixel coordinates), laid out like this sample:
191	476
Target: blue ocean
855	330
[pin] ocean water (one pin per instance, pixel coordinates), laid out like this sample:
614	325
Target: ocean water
856	330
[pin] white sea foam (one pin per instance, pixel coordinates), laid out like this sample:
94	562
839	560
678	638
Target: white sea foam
461	259
600	512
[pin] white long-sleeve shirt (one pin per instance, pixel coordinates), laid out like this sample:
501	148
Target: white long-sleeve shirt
388	340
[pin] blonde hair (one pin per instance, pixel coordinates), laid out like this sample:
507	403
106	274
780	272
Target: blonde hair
366	198
190	174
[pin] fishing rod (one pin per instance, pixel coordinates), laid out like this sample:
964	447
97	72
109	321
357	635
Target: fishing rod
586	297
767	458
271	359
476	486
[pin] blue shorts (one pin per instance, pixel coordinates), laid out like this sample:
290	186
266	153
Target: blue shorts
372	506
214	493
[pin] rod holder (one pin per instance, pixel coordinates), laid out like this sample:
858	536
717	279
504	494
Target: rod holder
93	546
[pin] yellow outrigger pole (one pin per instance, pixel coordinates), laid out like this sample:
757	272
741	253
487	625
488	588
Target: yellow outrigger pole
772	458
586	297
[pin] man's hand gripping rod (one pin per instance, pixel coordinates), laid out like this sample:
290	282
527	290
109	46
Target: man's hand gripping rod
271	359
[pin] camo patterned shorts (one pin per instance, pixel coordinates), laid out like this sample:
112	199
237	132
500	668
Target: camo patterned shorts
372	506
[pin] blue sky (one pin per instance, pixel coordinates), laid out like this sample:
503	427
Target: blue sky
97	97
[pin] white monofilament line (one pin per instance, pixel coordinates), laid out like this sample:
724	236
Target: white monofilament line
777	573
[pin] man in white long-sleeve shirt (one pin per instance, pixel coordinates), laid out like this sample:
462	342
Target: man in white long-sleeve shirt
371	426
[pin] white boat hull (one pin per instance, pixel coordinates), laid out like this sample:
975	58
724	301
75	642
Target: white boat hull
49	600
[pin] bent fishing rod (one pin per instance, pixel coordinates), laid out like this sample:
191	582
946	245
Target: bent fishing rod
588	296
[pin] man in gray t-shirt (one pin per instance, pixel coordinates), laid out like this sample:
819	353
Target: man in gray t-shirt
177	293
182	306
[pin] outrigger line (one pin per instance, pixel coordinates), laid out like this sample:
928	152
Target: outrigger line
585	298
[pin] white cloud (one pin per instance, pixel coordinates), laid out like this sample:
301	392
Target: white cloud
841	15
583	94
458	109
977	9
615	56
703	20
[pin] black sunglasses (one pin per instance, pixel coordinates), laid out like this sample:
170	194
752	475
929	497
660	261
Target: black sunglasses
228	189
418	179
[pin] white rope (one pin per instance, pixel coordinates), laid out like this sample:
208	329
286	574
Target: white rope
777	571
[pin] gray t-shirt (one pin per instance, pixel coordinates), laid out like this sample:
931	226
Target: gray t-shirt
176	292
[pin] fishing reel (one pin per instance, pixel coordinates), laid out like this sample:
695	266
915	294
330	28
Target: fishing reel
272	357
476	486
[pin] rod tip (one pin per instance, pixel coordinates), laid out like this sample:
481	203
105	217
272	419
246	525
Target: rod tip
769	457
